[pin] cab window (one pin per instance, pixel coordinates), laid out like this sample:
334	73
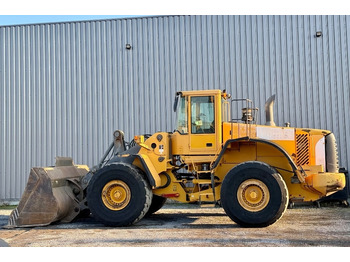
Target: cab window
202	115
182	122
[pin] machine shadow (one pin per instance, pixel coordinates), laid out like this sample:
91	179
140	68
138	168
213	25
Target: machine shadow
175	220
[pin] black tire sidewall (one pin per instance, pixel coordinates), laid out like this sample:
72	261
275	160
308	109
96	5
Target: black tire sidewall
267	175
137	186
157	203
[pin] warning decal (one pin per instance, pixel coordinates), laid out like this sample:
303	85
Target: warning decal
275	133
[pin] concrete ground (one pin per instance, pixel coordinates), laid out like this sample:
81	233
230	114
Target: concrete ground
180	225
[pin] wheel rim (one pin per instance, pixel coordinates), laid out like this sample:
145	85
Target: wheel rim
253	195
116	195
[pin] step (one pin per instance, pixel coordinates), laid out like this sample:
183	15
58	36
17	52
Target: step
203	181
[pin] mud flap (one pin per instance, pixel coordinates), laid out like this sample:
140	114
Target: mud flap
52	195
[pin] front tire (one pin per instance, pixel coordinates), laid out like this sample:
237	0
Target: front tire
157	203
118	195
253	194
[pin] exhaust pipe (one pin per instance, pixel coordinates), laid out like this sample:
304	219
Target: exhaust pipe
269	111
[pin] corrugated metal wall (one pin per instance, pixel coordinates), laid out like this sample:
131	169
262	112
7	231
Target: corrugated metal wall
65	87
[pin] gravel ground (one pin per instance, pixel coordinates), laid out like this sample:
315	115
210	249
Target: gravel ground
187	225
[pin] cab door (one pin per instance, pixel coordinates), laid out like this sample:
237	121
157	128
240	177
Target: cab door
203	125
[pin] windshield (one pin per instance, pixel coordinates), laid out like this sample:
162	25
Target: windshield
202	114
181	117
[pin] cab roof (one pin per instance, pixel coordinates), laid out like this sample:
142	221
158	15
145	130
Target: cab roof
200	92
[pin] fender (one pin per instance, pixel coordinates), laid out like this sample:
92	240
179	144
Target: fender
130	156
258	140
152	174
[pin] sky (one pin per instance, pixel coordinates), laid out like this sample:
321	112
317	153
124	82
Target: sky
20	12
33	19
16	12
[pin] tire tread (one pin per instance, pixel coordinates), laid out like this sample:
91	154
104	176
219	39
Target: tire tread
140	178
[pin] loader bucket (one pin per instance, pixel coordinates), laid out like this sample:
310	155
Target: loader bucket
52	194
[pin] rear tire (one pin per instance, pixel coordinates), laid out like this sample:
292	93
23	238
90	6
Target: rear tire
253	194
118	195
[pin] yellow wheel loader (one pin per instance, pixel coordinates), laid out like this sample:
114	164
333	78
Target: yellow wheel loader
253	171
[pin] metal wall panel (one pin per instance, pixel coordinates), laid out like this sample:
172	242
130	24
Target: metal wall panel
65	87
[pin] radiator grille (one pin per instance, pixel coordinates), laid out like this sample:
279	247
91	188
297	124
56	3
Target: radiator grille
302	150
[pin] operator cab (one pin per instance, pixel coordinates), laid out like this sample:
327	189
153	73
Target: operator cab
198	123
